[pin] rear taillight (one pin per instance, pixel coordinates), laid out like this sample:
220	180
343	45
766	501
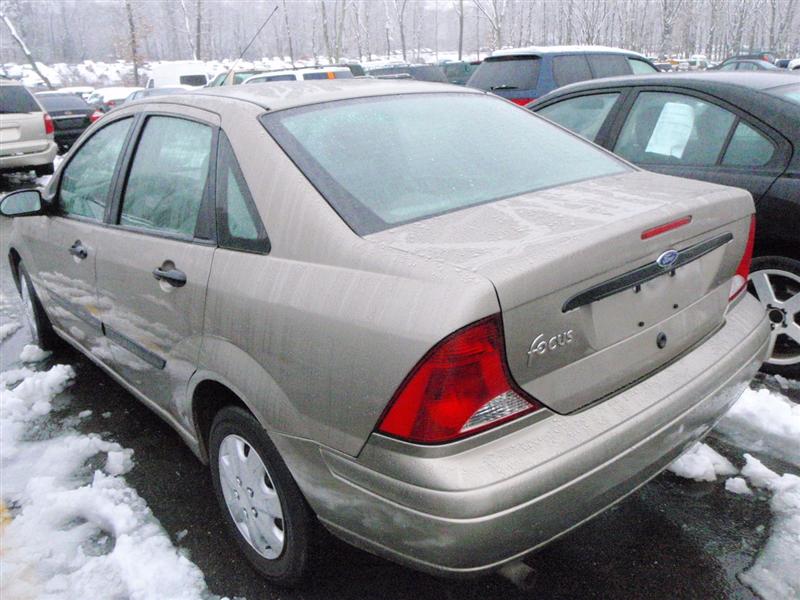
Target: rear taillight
48	124
739	281
111	103
95	116
522	101
462	386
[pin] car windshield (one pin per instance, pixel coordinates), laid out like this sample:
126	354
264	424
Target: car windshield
384	161
506	73
16	99
787	92
54	102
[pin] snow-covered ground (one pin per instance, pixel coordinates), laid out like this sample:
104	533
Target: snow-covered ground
71	526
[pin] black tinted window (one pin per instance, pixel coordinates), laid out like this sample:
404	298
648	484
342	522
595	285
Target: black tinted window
570	68
62	102
192	80
167	180
583	115
428	73
16	99
609	65
748	148
506	72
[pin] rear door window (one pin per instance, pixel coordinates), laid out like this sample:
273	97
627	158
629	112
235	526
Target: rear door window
641	67
168	177
674	129
507	73
570	68
86	181
584	115
609	65
16	99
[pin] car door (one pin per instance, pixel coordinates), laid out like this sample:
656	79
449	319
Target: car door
155	258
65	248
588	114
688	134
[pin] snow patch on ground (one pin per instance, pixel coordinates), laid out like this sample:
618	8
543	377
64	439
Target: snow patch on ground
765	421
32	353
702	463
776	574
72	527
6	329
737	485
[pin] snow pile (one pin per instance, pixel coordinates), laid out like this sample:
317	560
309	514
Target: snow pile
32	353
776	572
6	329
764	421
78	529
702	463
737	485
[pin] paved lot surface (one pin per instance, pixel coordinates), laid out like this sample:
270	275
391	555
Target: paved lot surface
673	538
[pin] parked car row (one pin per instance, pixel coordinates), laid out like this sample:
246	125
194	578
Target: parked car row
448	355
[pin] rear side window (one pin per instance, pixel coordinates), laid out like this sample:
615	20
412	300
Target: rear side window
748	148
192	80
609	65
87	178
641	67
62	102
167	180
428	73
674	129
287	77
570	68
447	152
583	115
16	99
507	73
238	225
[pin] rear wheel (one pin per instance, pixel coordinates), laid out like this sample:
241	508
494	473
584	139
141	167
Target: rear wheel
261	504
36	319
775	281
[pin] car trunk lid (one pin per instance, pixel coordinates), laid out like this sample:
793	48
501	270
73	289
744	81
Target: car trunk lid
586	309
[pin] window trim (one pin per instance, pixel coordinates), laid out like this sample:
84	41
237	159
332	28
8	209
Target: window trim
260	245
205	230
780	158
56	199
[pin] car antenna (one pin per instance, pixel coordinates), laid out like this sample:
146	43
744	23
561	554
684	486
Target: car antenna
246	48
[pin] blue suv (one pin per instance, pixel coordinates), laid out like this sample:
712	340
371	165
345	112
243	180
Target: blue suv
525	74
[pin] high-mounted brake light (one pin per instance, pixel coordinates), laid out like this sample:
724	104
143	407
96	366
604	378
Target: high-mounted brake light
95	116
460	387
739	281
522	101
48	124
658	230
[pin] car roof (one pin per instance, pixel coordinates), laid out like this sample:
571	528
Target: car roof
279	95
538	50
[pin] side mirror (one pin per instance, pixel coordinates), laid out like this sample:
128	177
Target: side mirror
22	203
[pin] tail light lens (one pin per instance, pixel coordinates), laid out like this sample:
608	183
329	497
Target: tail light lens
522	101
739	281
462	386
111	103
48	124
95	116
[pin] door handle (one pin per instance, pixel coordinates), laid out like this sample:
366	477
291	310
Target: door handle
79	250
174	277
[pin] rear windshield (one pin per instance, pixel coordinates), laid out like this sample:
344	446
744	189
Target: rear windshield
428	73
192	80
62	102
16	99
787	92
389	160
506	73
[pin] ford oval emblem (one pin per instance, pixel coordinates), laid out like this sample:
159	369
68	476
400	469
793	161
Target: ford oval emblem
667	259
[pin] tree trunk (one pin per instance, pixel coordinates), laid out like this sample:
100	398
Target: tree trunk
460	28
288	32
198	30
188	29
326	38
24	48
133	42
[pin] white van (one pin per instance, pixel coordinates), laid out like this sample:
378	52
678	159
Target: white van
182	72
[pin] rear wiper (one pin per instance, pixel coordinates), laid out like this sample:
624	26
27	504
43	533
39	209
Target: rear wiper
504	87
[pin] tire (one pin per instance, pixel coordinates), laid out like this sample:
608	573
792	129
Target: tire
42	170
235	436
36	319
775	281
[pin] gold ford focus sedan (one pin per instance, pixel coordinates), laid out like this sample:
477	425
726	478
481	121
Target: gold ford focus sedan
442	327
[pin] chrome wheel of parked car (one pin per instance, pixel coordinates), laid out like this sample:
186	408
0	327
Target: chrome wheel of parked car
251	496
775	281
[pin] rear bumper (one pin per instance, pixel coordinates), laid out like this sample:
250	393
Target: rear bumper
29	160
470	507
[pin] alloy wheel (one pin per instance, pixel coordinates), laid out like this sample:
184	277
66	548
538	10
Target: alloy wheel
779	294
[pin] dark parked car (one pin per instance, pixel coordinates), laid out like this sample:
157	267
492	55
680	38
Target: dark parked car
150	92
738	129
418	72
459	72
524	74
746	64
71	115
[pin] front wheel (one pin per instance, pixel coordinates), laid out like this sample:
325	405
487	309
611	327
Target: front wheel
36	319
261	504
775	281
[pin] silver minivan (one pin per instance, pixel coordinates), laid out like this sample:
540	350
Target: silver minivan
436	324
26	132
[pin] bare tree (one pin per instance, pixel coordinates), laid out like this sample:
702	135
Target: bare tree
494	11
134	44
189	40
21	43
669	12
399	11
460	12
198	29
288	32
